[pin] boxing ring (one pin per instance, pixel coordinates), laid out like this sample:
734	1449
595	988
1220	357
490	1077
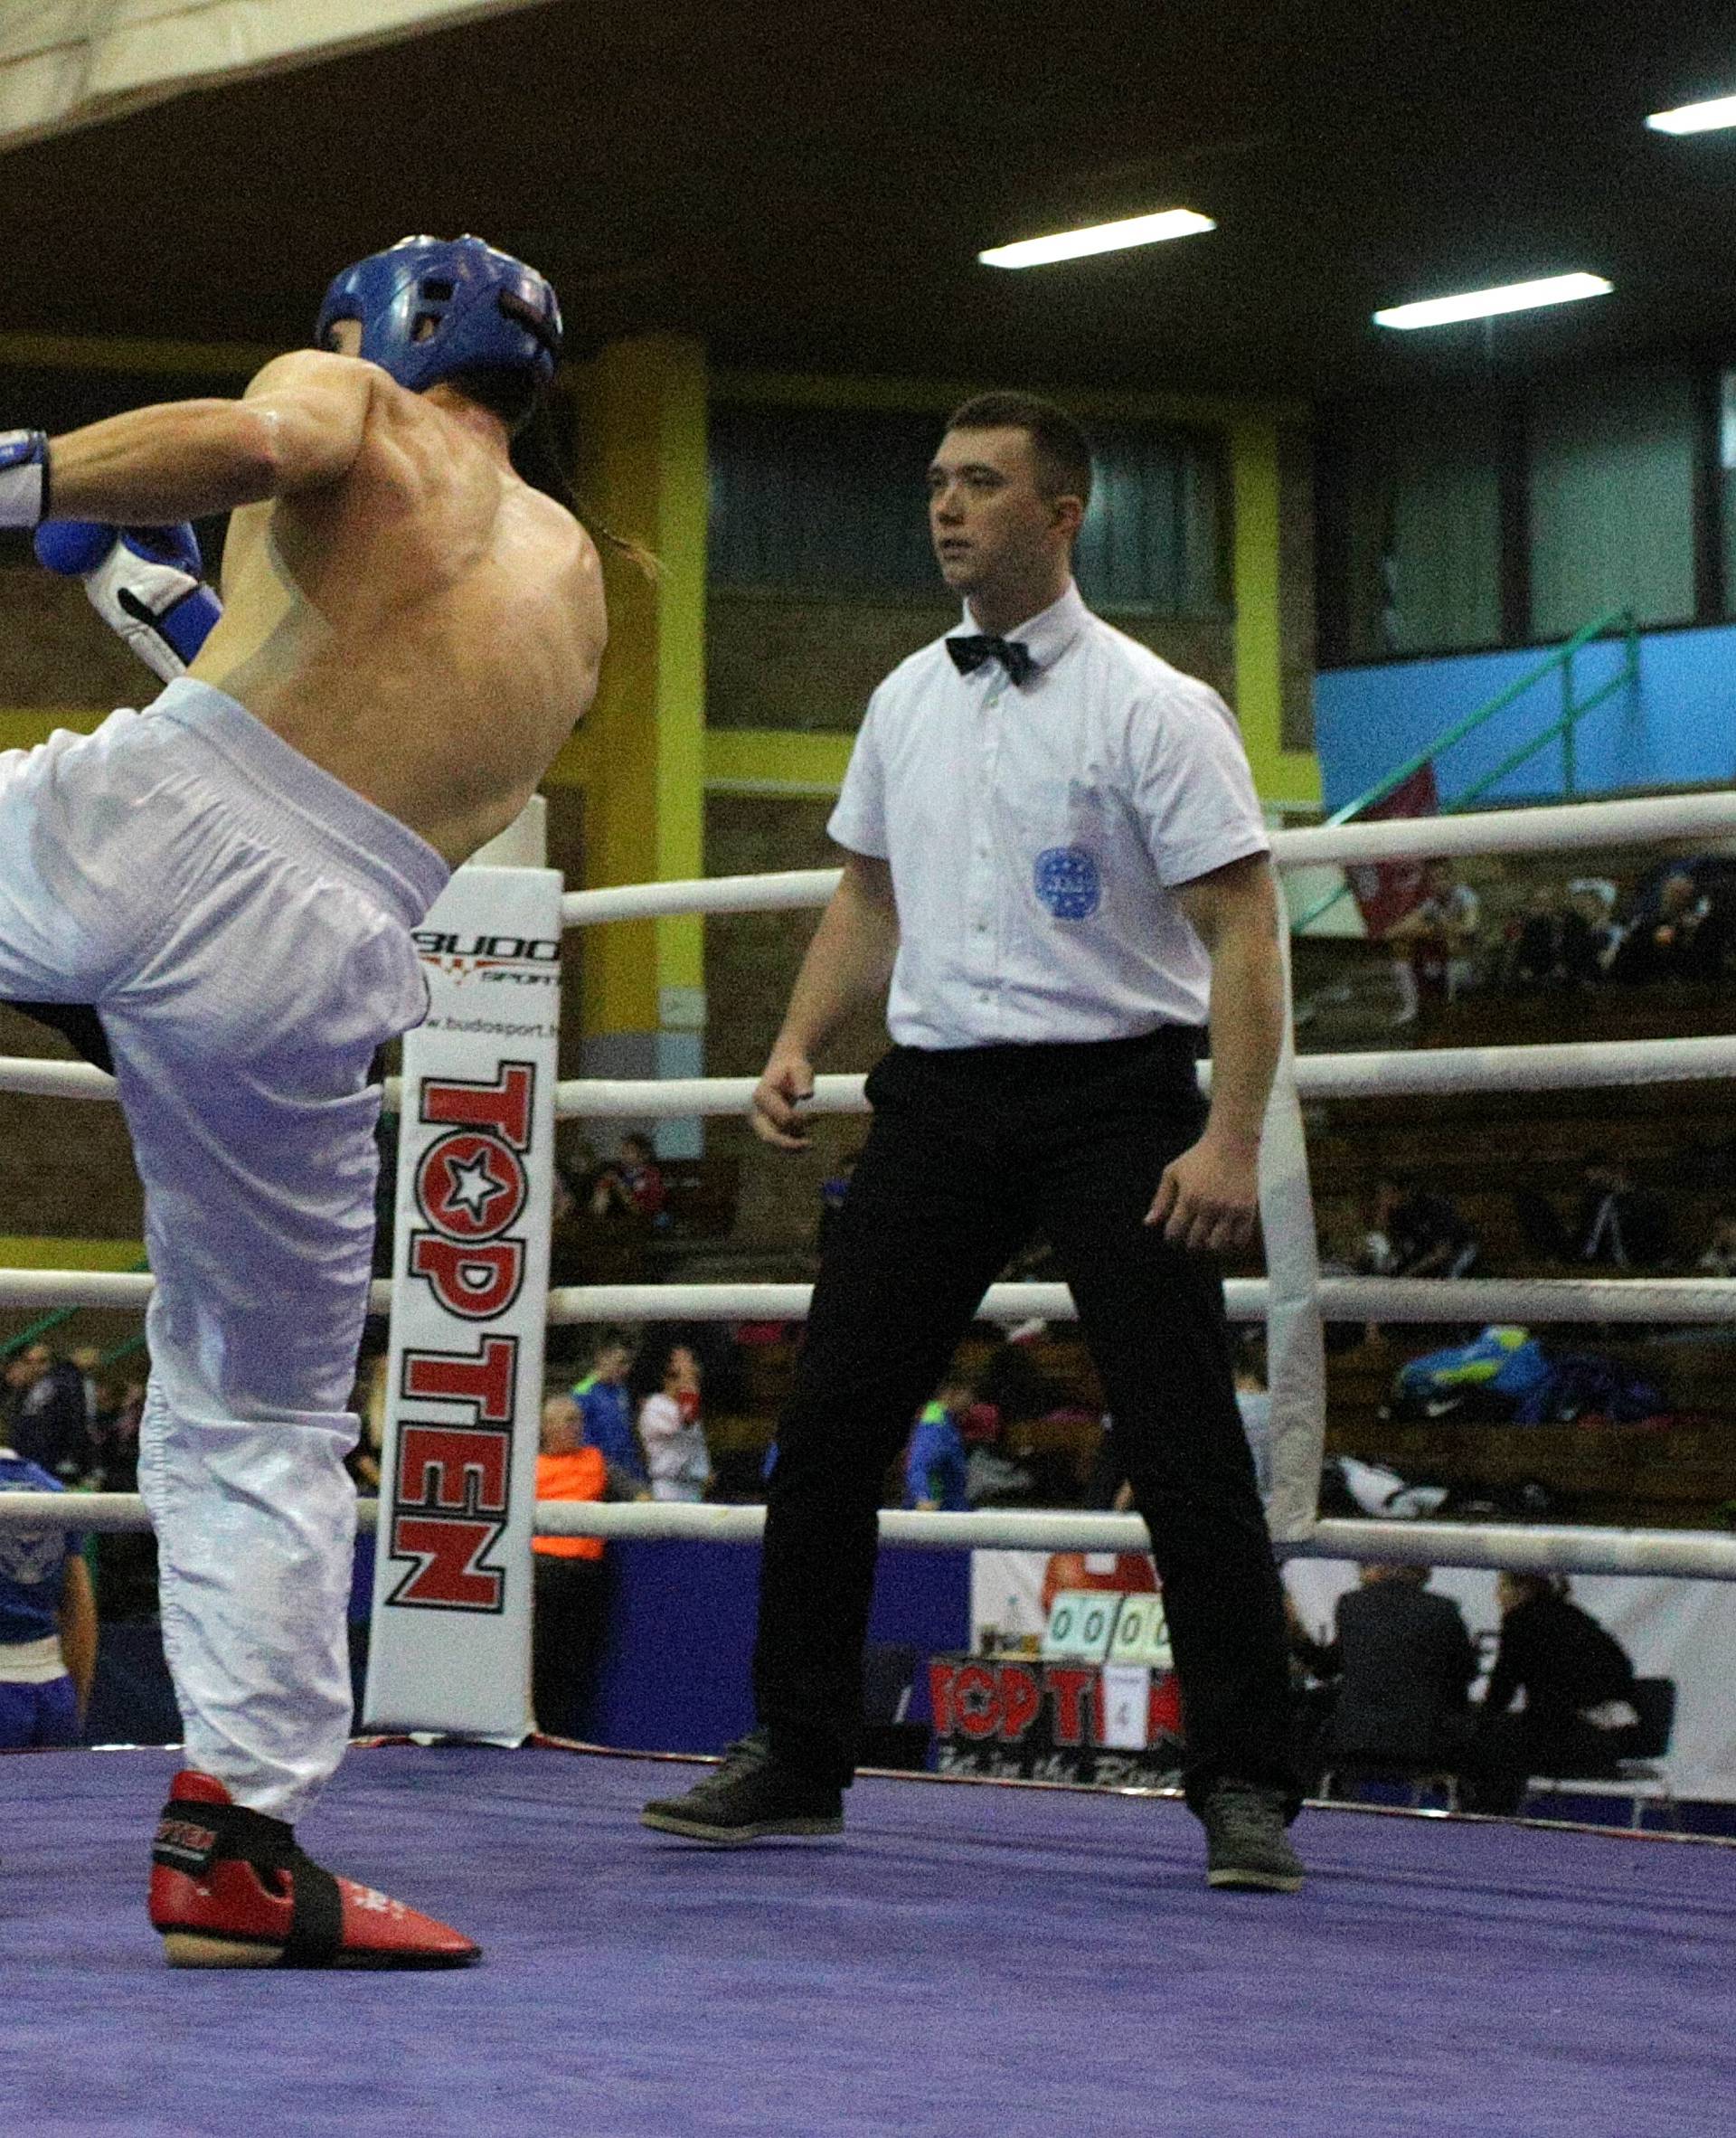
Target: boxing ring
973	1957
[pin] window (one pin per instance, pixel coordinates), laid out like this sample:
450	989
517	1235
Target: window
831	499
1442	565
1611	500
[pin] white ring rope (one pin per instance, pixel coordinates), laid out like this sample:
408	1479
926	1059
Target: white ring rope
1691	1554
1427	1072
54	1080
1430	1300
1559	829
1435	1300
124	1292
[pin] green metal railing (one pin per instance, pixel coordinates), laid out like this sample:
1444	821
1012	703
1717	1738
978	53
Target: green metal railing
1573	710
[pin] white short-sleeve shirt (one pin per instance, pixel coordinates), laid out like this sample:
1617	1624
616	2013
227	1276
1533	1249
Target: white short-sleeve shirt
1036	832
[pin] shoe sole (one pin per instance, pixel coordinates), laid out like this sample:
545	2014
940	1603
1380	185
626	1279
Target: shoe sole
735	1837
182	1948
1256	1881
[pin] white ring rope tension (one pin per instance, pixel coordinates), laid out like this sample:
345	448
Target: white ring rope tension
1296	1292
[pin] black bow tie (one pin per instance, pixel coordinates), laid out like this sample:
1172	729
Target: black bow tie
969	653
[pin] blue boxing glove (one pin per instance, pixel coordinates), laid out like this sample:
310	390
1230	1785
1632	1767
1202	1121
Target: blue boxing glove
143	582
23	477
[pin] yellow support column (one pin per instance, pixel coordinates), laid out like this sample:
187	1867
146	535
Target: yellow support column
640	755
1280	775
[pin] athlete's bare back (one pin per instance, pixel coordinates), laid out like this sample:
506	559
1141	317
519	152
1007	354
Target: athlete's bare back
399	606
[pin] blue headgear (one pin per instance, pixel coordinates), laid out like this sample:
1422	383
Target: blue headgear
432	306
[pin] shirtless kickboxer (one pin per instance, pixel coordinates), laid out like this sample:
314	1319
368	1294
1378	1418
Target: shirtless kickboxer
218	891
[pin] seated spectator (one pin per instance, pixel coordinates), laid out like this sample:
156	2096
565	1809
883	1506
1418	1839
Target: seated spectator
1537	953
1622	1226
632	1186
1681	937
1435	943
606	1411
1590	938
1578	1684
570	1593
834	1189
1403	1662
1719	1257
672	1433
935	1464
48	1623
47	1420
1412	1234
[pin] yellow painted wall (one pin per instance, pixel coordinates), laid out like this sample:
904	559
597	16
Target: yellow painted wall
26	1252
640	755
1280	775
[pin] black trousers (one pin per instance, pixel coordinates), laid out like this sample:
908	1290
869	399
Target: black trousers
969	1152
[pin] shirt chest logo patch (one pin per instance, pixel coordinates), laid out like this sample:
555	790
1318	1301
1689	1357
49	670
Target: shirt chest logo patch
1068	882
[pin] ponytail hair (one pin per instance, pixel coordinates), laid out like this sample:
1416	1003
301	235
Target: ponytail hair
537	456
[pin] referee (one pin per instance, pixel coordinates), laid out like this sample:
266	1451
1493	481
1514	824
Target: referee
1053	852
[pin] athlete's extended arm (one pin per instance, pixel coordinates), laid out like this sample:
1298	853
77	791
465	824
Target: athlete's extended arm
298	428
1209	1198
846	969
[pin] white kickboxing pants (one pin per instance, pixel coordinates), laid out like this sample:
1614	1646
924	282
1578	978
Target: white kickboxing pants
242	920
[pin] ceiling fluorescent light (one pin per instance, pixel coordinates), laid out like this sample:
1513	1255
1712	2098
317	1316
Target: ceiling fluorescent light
1696	118
1484	304
1100	237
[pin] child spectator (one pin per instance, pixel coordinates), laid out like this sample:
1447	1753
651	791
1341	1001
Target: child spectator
935	1465
632	1186
672	1433
605	1409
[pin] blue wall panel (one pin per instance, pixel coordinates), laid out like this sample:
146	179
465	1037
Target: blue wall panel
674	1674
1677	727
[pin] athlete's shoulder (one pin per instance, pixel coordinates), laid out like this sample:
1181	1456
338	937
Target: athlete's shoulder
320	372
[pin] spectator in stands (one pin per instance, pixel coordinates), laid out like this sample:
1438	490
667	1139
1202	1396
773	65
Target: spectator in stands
1537	953
570	1574
1719	1257
632	1186
672	1433
48	1623
1683	938
1403	1662
1435	943
46	1418
605	1410
834	1189
1622	1226
934	1463
1414	1233
1578	1683
1590	937
121	1440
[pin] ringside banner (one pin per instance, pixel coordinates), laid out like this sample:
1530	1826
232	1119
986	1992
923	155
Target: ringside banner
451	1647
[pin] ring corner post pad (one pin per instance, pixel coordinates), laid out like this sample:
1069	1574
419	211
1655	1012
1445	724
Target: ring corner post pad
449	1650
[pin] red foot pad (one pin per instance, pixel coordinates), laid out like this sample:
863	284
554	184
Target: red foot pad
229	1888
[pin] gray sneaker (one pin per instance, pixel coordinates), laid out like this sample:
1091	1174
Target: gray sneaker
749	1796
1245	1842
